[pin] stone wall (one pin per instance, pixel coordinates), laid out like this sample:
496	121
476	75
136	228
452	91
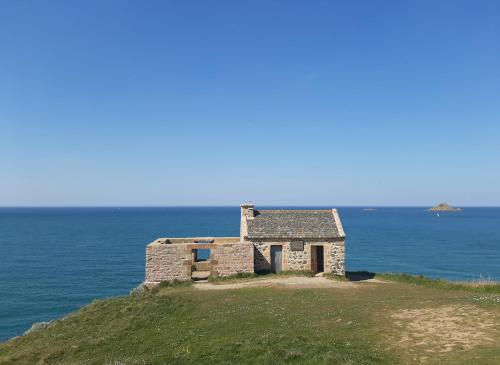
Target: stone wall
292	260
167	262
247	212
262	256
202	265
335	258
299	260
233	258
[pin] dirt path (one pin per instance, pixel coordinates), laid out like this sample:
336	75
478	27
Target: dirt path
445	329
291	282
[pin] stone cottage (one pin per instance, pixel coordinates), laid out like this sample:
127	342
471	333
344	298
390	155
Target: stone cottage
270	240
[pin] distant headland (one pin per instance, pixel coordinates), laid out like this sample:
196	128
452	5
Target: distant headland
443	207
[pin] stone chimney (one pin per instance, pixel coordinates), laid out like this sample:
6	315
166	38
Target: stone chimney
246	213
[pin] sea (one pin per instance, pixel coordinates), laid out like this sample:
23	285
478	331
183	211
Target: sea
55	260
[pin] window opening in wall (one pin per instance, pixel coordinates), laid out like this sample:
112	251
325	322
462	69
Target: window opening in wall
201	254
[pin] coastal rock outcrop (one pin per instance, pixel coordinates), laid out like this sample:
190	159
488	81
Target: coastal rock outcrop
443	207
37	326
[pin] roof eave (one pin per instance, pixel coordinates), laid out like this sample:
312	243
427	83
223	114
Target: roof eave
268	238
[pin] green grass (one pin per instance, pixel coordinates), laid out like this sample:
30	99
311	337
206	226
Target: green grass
178	324
142	290
171	284
472	286
307	273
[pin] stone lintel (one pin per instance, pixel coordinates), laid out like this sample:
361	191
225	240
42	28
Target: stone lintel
202	246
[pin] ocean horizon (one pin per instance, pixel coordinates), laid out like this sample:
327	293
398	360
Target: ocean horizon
362	206
56	259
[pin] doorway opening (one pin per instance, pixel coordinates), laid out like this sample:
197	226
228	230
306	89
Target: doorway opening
317	259
201	264
276	258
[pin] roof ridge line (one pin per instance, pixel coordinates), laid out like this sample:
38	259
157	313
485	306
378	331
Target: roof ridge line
294	210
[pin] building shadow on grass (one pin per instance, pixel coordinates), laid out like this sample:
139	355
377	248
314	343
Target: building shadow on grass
359	275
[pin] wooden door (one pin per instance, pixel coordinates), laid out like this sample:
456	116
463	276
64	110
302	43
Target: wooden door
317	259
276	258
314	259
320	260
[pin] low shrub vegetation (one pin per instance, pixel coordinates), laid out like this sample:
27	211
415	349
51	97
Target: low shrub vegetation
171	284
307	273
240	275
336	277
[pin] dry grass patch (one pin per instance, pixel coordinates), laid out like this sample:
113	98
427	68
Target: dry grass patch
444	329
292	282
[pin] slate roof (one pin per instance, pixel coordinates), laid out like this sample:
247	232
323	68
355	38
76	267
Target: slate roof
293	224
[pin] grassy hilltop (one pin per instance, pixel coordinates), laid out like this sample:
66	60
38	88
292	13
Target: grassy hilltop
400	320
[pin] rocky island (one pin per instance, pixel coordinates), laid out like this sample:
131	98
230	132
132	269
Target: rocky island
443	207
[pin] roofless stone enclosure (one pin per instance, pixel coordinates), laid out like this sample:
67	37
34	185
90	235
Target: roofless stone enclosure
172	258
270	240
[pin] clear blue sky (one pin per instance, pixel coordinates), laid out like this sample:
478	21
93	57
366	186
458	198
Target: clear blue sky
277	102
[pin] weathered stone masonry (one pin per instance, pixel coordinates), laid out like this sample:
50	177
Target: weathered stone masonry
302	238
167	262
172	258
334	256
234	258
312	228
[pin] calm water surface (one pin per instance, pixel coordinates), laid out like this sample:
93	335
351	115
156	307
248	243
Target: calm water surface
54	260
